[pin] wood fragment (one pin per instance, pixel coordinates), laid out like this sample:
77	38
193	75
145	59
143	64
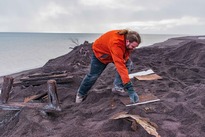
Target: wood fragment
34	97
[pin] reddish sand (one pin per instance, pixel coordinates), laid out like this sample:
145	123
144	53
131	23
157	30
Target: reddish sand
180	113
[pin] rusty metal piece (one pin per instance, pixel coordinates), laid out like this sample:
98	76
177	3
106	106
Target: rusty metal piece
6	89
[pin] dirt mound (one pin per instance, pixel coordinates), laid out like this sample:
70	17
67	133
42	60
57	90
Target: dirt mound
78	58
179	61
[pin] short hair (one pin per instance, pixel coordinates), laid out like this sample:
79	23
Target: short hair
131	35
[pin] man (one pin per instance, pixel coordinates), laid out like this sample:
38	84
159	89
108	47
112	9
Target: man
112	47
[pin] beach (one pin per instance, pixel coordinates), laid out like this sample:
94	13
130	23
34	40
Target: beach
179	113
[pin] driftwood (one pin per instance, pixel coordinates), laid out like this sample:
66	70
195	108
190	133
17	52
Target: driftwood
46	74
20	105
6	89
40	82
42	78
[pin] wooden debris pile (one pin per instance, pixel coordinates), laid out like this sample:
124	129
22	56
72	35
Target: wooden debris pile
52	105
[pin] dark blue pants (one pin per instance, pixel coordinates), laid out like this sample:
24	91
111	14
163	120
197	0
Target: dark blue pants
96	69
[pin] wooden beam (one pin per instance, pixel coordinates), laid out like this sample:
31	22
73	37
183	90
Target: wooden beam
39	82
20	105
46	74
6	89
53	101
43	77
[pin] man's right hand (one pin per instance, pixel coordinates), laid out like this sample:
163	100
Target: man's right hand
134	98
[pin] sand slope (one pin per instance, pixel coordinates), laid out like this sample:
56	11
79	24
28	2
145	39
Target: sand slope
180	113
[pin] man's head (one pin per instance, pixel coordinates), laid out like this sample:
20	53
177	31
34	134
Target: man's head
133	40
131	45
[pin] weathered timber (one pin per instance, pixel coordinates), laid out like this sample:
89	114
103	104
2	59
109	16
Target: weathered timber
53	101
20	105
39	82
43	77
6	89
46	74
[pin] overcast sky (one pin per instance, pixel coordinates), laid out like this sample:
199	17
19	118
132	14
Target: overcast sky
98	16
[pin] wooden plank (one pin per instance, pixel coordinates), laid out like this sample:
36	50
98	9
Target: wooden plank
20	105
43	78
148	77
64	80
46	74
40	82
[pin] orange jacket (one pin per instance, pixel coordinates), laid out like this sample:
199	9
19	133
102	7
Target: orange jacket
111	47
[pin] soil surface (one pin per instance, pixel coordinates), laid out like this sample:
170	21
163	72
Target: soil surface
180	113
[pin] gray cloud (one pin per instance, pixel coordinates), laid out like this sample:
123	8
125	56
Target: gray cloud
170	16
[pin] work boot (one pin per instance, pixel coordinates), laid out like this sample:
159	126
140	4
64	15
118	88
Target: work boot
120	91
79	98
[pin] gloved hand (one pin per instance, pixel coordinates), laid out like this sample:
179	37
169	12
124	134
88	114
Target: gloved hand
134	98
